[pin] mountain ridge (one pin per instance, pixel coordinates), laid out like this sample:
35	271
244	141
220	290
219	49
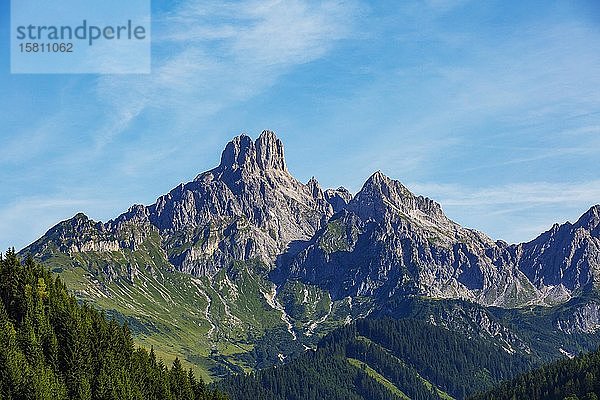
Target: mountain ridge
256	257
251	207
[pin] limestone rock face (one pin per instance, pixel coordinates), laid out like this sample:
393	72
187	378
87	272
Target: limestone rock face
338	198
584	318
247	208
382	243
566	257
388	242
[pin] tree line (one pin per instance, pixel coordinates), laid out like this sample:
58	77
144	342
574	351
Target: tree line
424	362
568	379
53	347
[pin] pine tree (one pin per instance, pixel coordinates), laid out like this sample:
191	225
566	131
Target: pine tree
51	347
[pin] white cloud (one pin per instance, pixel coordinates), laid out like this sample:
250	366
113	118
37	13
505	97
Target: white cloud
514	212
530	194
211	55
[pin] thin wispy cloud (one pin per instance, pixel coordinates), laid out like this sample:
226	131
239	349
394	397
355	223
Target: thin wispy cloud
207	56
212	55
515	212
29	218
483	98
493	108
530	194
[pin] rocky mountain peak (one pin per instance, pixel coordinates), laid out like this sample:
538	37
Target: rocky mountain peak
265	153
380	184
315	188
137	213
377	185
381	195
378	177
269	151
79	223
238	152
338	198
384	241
591	219
80	217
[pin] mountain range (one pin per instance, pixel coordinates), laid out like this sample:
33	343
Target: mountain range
245	267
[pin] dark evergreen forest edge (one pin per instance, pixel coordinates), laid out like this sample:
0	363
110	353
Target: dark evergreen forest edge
52	347
55	347
569	379
417	361
410	358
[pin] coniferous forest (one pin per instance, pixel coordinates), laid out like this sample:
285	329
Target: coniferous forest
384	359
52	347
569	379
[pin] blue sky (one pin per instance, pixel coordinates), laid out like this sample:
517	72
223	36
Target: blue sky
490	108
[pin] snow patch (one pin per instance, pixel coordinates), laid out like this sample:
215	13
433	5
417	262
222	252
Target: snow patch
566	353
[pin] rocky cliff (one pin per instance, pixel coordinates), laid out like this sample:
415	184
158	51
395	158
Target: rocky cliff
246	257
382	242
247	208
387	241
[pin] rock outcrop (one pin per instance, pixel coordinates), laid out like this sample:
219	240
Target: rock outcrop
383	242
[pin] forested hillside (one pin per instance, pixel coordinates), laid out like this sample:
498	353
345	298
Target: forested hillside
569	379
384	359
52	347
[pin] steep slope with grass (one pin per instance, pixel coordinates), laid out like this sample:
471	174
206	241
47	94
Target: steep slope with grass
53	348
401	358
245	267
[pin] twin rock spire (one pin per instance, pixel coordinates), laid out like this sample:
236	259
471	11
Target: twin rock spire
266	153
243	156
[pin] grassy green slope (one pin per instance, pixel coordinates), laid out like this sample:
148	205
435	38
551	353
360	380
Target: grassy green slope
235	321
403	359
378	377
430	386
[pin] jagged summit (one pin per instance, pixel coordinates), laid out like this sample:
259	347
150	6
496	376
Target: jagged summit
315	188
265	153
382	185
381	194
383	240
338	198
590	219
246	255
378	177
